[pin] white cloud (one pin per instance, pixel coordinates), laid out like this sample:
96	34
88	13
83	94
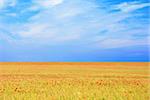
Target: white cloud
78	21
5	3
11	14
33	30
57	24
55	2
47	3
2	2
131	6
12	3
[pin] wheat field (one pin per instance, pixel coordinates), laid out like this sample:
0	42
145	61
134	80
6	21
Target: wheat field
74	81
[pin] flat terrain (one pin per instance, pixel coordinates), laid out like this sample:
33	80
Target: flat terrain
74	81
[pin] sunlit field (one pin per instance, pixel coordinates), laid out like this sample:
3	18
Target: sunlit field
74	81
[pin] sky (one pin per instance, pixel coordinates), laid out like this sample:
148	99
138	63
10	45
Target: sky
74	30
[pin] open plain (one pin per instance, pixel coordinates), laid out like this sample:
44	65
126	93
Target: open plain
74	81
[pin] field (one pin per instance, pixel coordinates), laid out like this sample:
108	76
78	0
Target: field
74	81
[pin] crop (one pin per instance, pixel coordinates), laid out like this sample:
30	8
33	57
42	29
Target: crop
74	81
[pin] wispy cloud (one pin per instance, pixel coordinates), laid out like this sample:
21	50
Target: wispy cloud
74	30
6	3
131	6
47	3
1	3
75	21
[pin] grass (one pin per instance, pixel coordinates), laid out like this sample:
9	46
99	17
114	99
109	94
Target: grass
74	81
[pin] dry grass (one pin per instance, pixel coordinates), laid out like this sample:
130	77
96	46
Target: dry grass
74	81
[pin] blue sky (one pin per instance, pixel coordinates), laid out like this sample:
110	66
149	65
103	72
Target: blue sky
74	30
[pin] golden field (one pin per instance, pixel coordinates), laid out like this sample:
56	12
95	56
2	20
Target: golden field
74	81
